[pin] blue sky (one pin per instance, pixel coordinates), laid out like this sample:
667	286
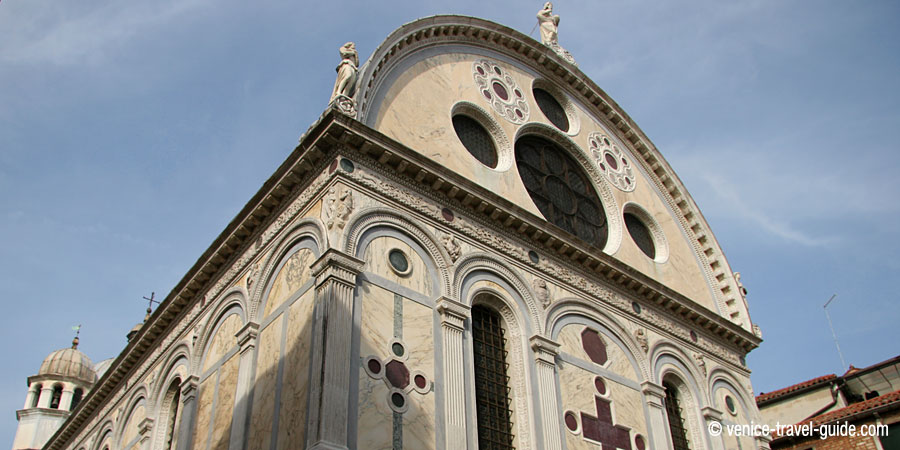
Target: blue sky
132	132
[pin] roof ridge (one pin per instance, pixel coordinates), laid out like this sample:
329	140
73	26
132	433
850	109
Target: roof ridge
764	397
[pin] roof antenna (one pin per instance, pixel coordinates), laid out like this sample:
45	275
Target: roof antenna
830	325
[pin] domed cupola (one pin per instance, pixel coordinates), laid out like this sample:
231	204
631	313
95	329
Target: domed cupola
69	363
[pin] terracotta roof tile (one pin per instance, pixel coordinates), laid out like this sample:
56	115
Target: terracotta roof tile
852	410
764	397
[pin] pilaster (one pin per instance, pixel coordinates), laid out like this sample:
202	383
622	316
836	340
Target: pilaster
189	389
335	273
545	352
240	420
654	397
145	429
710	416
453	318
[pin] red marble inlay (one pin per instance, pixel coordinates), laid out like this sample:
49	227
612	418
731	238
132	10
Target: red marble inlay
501	91
375	366
480	70
611	160
397	374
601	428
593	345
447	214
420	381
600	385
487	94
571	421
639	442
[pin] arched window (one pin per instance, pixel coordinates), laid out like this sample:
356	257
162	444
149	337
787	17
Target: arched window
492	402
677	430
76	398
37	395
173	398
57	396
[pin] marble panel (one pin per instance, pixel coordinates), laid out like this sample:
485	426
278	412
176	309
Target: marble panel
292	275
375	424
269	352
224	408
618	361
376	322
376	258
223	341
295	379
204	413
132	426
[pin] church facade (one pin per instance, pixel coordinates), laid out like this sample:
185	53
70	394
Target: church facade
472	247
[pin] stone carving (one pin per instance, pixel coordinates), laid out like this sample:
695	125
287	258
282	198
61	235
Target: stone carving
338	206
611	161
549	32
252	275
451	245
641	337
741	288
500	90
345	84
541	292
701	362
296	265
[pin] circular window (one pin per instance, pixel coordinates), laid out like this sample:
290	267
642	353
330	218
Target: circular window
560	189
398	262
729	403
398	349
640	234
476	139
552	109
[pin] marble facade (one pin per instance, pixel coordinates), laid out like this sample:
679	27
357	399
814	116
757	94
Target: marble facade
301	330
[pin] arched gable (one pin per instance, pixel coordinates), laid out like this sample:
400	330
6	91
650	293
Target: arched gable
477	266
368	218
233	304
308	230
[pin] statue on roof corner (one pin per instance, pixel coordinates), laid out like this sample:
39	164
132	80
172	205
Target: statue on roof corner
345	84
549	32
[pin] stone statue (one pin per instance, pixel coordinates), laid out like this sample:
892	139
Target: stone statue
542	292
345	84
338	206
452	246
641	336
549	35
549	24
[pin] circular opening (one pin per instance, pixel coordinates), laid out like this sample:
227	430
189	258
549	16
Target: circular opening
398	261
398	400
375	366
571	421
347	165
561	189
533	256
447	214
729	402
636	307
552	109
640	234
501	91
639	442
398	349
693	336
420	381
476	140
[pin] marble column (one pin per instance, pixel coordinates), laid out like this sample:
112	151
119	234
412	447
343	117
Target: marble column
145	428
453	319
32	397
240	420
545	352
46	396
65	401
655	396
335	274
711	415
189	389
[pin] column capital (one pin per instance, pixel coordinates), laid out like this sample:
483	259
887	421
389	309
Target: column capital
189	387
145	427
453	313
334	264
544	349
710	413
246	336
654	390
